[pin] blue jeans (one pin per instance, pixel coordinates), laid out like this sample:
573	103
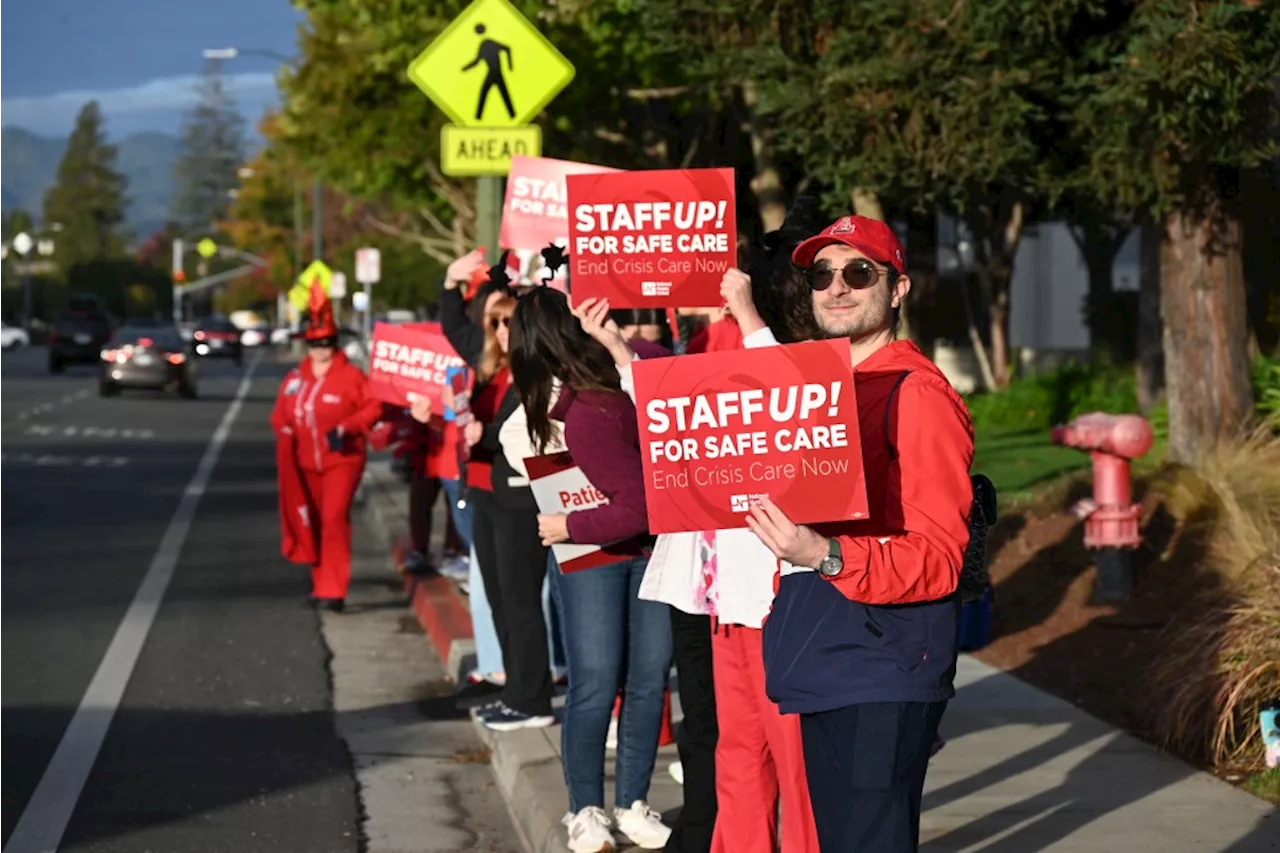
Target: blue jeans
488	652
612	639
461	517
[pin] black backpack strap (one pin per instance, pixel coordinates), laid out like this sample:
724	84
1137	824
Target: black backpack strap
888	408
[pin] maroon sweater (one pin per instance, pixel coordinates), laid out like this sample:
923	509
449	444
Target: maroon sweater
602	436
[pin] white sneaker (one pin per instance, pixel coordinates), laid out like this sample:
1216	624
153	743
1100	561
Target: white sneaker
589	831
642	826
611	739
676	769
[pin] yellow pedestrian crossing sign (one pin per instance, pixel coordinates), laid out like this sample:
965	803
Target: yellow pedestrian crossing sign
300	293
491	67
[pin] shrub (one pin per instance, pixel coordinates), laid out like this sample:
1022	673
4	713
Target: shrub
1055	396
1266	389
1223	666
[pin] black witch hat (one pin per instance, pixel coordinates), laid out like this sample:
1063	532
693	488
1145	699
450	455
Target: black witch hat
804	219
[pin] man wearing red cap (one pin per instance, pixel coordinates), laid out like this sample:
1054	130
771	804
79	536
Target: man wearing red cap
862	638
322	417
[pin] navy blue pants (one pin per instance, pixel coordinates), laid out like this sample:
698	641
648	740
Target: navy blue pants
866	766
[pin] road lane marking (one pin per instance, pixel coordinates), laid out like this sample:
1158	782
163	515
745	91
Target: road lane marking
53	460
49	430
49	810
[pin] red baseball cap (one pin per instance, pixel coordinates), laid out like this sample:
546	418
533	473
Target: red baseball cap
871	237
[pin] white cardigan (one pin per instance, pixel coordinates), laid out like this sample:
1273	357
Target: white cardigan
746	566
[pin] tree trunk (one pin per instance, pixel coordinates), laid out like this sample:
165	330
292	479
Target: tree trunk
1149	367
918	310
766	183
1099	247
1202	301
866	203
997	232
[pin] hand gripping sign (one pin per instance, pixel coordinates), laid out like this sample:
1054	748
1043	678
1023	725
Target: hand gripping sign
410	360
559	486
719	430
653	239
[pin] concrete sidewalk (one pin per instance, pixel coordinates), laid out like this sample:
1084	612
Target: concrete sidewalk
1023	771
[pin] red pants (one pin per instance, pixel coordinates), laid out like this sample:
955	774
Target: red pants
759	756
329	497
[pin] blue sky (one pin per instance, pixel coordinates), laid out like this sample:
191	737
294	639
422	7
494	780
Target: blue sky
139	58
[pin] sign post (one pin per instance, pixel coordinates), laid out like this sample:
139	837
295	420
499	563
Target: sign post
368	272
491	72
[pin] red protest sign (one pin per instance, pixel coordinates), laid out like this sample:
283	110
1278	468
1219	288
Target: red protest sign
535	212
559	486
652	239
719	430
409	360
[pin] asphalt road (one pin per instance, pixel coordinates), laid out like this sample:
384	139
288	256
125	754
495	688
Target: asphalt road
223	738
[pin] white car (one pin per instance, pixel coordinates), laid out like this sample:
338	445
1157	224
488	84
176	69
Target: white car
254	337
12	337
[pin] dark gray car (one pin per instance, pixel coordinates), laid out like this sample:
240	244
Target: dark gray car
147	358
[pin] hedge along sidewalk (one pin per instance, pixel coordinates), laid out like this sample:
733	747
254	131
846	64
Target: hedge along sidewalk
526	764
1022	771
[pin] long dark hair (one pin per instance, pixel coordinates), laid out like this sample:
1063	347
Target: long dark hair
778	289
547	343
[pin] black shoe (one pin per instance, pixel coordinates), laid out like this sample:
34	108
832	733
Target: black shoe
476	694
334	605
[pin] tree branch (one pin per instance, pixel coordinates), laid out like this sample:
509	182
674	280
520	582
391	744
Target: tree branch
438	249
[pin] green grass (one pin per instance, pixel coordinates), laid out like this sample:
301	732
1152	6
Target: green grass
1265	785
1020	460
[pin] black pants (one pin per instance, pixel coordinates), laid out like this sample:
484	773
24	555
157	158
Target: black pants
423	493
513	563
691	636
866	766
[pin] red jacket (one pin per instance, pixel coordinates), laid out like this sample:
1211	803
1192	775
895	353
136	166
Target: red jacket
884	629
308	408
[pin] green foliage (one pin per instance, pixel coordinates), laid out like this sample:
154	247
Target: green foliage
211	152
1265	374
1190	90
87	200
1055	396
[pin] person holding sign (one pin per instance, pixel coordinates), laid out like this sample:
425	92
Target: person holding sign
323	415
512	559
613	639
861	640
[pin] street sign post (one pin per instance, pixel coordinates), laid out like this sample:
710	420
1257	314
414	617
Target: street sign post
368	265
467	151
338	285
368	272
491	72
300	293
491	67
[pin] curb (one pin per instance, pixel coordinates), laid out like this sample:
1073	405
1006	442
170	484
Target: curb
435	601
525	764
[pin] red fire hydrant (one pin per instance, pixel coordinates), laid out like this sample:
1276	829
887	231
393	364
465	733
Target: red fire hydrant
1111	516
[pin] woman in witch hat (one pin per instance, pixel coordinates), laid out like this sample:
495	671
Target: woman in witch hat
322	418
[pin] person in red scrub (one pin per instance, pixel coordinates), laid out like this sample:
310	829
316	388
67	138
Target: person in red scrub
322	418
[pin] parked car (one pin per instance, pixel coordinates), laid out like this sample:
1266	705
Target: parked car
217	337
12	337
79	334
254	336
147	357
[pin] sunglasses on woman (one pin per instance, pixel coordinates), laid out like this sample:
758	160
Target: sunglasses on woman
495	322
858	274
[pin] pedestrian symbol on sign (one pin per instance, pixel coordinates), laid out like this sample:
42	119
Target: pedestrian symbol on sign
490	53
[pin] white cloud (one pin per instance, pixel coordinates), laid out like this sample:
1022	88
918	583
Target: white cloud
154	105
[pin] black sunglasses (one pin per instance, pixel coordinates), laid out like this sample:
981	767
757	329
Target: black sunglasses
494	322
858	274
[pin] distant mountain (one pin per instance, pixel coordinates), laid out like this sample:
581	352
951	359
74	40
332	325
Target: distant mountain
29	164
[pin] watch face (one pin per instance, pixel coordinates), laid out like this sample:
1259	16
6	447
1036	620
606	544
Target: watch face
830	566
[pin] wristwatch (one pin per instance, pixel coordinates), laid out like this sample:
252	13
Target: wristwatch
833	563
